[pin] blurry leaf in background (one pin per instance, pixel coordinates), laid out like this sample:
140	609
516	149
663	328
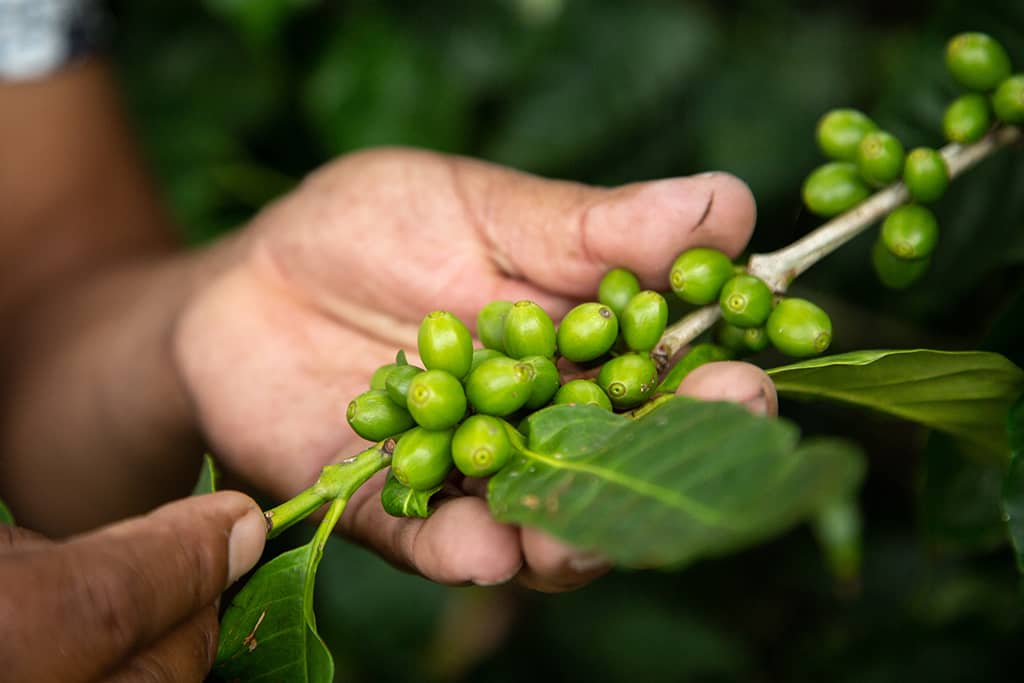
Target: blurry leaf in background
756	117
376	619
377	83
198	92
604	67
837	528
5	514
1013	490
260	21
209	477
626	637
959	497
963	393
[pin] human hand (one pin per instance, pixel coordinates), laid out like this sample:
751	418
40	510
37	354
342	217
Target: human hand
132	601
338	275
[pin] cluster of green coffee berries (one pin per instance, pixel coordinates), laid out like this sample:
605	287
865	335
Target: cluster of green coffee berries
751	317
461	409
864	157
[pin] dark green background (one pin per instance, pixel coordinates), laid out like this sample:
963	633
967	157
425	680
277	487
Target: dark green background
236	100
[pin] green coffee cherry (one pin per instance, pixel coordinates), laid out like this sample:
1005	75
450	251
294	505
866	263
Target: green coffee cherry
698	274
546	381
799	328
910	232
880	158
529	331
481	446
756	339
397	384
500	386
746	301
480	355
977	61
445	344
587	332
617	287
490	324
840	131
629	379
643	321
582	392
966	119
694	358
732	338
1008	100
436	399
834	188
380	376
740	341
926	175
894	272
374	416
423	458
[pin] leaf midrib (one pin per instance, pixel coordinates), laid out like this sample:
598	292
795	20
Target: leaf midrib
667	496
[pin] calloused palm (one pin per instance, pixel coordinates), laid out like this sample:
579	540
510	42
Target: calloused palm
335	277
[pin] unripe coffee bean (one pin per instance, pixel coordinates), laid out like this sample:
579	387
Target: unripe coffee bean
374	416
445	344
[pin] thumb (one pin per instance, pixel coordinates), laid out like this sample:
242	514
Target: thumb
564	236
98	598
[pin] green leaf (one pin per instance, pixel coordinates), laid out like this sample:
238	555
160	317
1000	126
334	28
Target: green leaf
209	477
604	69
268	633
837	527
687	480
1013	489
966	393
5	514
401	501
258	20
959	497
376	82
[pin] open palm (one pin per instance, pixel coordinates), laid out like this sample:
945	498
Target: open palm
336	277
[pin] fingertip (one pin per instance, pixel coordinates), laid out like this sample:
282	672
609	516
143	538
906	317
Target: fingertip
734	381
246	542
552	566
227	512
461	542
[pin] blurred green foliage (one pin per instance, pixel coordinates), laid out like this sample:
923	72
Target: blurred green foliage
235	100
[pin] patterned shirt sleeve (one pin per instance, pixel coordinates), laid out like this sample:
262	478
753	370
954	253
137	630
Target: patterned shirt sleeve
39	37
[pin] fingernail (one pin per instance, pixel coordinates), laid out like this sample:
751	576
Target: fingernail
245	544
488	583
758	405
707	174
587	563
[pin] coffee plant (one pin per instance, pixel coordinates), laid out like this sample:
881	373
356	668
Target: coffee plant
612	461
